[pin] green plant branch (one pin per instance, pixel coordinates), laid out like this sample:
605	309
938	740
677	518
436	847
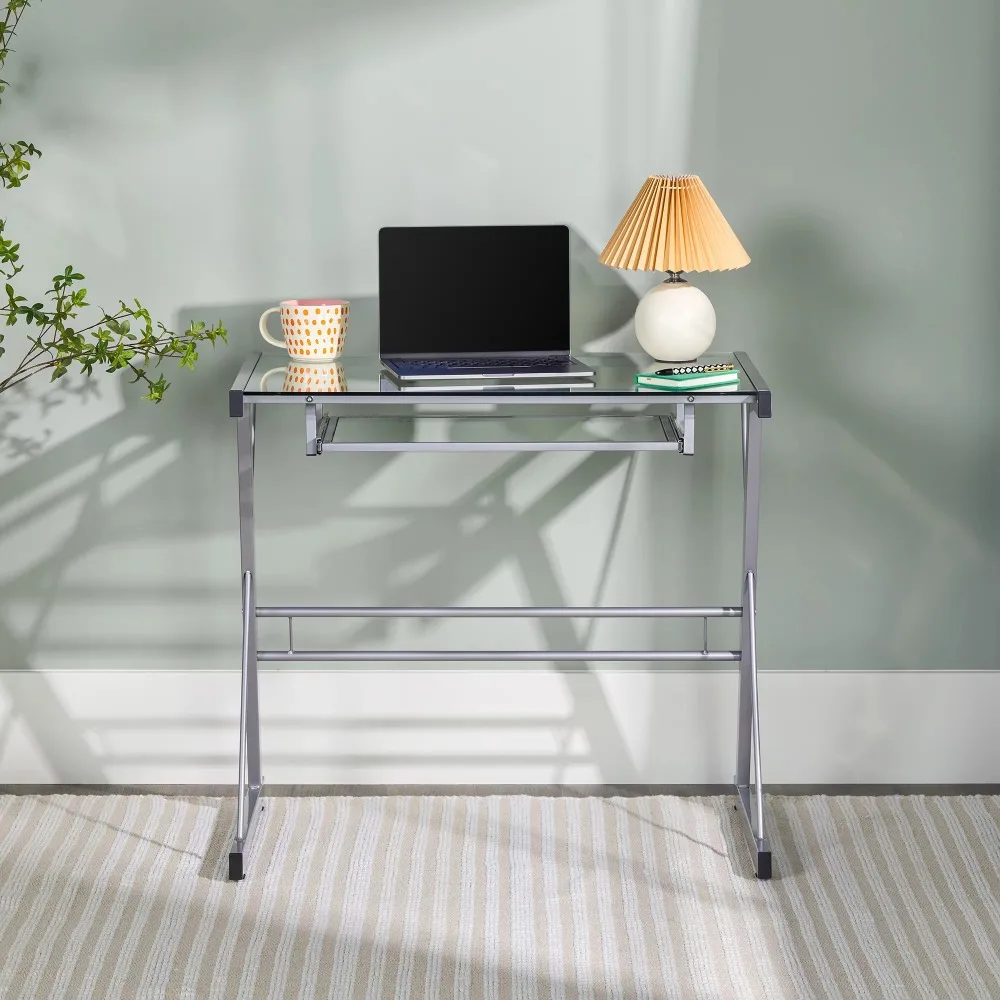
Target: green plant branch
153	356
128	338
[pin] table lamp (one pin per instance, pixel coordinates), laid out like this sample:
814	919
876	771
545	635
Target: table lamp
673	225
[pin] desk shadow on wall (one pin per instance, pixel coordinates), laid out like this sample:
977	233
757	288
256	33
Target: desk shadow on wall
185	504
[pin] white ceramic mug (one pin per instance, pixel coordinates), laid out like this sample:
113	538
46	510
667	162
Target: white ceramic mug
302	377
312	329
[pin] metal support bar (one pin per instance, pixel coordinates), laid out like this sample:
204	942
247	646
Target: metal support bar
313	442
241	384
242	782
759	847
327	430
748	718
752	633
744	422
506	447
499	655
324	424
669	442
762	401
318	611
671	431
685	424
291	640
237	868
250	780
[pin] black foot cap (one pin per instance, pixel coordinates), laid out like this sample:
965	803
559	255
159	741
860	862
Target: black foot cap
236	873
763	865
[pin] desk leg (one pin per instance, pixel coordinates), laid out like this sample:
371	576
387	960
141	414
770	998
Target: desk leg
751	794
249	782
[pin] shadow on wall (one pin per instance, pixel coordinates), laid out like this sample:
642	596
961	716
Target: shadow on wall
138	553
601	303
181	512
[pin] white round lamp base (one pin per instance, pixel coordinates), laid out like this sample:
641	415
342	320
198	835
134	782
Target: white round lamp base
675	321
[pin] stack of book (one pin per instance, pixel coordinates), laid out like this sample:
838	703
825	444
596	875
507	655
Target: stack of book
687	378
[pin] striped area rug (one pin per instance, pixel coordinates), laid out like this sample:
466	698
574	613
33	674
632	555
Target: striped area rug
494	897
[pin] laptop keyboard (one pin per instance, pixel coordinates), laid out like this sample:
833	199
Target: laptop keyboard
451	364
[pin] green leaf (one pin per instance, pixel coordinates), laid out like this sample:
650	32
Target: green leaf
157	388
189	357
129	338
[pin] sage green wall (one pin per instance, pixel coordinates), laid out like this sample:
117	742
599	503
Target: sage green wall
860	142
212	157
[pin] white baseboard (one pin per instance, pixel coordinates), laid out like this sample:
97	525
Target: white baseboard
498	727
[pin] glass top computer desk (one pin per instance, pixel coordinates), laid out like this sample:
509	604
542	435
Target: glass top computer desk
338	396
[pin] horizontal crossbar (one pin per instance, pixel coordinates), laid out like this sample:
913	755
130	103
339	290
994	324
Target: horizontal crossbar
498	446
380	612
500	655
327	442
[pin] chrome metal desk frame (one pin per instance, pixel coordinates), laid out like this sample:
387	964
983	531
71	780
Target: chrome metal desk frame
613	392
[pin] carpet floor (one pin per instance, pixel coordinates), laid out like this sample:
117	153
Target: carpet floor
492	897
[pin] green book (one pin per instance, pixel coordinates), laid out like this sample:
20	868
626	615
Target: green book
688	381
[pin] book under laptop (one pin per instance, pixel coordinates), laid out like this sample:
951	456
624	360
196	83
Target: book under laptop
467	302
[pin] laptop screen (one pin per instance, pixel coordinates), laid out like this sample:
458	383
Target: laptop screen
454	290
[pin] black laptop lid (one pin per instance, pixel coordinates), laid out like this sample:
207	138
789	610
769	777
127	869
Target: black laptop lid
455	290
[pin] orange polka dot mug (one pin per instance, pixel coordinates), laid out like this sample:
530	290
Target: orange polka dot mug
302	377
313	329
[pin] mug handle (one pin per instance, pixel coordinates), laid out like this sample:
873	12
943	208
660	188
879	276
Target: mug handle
267	375
263	328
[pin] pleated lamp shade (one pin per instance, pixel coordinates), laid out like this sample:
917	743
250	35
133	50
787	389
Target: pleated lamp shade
674	225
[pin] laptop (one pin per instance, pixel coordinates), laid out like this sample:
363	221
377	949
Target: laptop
466	302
